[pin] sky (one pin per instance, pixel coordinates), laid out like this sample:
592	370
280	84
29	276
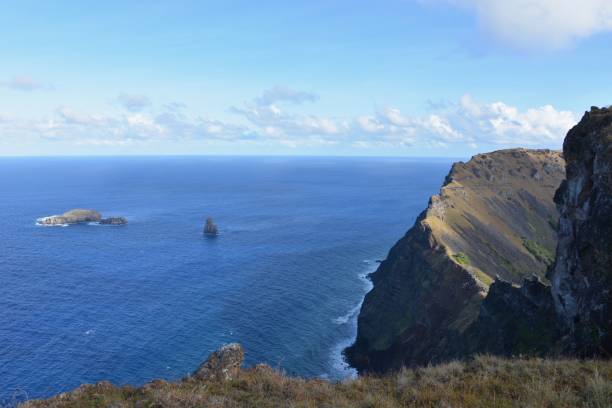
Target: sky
441	78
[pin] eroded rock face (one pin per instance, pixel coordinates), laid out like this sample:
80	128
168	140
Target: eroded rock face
494	216
113	221
224	364
582	275
513	320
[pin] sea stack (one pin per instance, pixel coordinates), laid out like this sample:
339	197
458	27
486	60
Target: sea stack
210	228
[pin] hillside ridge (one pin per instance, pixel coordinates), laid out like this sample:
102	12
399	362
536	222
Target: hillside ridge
494	218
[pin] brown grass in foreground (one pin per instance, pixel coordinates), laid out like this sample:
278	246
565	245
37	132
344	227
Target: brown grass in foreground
482	382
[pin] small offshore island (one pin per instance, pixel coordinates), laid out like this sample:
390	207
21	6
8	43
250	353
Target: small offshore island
80	216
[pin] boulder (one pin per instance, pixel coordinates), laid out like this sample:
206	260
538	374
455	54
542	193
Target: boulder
224	364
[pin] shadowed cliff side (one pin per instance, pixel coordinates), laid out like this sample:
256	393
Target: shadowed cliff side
582	275
494	216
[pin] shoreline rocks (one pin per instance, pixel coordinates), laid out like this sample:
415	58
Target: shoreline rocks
223	364
113	221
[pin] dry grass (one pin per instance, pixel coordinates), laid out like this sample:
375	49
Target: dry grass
482	382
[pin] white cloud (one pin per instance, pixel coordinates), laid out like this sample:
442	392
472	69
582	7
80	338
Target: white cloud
24	83
134	102
440	126
464	124
370	124
272	120
393	125
499	123
469	123
542	23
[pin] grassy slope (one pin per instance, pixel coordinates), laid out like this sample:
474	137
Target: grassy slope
482	382
495	203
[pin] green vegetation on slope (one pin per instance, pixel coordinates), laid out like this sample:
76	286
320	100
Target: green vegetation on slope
482	382
538	251
462	258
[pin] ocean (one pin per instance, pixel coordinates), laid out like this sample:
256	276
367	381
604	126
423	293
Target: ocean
151	299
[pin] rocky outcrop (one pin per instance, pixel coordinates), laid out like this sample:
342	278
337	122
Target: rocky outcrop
582	275
76	216
114	221
210	228
513	321
494	216
224	364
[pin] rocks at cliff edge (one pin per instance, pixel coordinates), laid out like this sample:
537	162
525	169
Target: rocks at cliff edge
224	364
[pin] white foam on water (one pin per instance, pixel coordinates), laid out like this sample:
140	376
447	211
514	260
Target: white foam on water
39	224
338	363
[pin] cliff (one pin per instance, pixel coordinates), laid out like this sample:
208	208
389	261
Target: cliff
582	275
494	217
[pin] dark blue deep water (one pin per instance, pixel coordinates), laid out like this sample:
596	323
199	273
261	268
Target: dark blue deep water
151	299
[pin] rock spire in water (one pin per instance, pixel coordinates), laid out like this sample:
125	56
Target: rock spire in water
210	228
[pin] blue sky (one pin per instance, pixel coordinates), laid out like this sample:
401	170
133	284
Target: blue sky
386	77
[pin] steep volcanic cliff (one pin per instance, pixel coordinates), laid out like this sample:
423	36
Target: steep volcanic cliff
494	216
582	275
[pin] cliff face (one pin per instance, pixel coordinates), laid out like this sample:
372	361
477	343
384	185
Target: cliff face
494	216
582	275
513	321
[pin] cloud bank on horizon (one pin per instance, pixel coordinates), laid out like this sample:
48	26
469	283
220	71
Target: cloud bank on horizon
268	120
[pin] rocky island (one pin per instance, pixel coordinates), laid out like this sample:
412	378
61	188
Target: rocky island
80	216
210	228
76	216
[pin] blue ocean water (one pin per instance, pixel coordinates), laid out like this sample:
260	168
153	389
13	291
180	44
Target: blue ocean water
152	299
